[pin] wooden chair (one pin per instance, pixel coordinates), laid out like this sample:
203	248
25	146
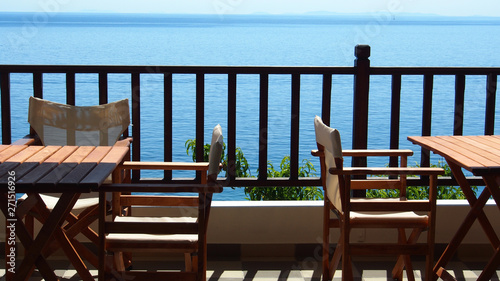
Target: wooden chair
182	233
342	211
56	124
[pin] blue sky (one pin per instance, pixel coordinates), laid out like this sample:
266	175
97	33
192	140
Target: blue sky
439	7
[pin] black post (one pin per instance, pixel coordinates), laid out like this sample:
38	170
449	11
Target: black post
491	90
6	114
360	103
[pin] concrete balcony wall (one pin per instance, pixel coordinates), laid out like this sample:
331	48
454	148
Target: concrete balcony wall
282	222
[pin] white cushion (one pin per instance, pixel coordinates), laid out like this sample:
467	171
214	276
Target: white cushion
153	238
86	200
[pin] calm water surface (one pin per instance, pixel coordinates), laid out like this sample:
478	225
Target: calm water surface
253	40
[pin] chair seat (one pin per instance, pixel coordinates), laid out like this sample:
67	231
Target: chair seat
155	219
119	240
378	219
83	203
151	238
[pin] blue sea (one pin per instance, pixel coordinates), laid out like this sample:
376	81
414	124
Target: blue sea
287	40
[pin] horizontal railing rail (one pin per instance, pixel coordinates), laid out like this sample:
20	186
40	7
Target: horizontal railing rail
361	72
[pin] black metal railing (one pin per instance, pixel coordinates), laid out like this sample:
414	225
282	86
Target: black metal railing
361	72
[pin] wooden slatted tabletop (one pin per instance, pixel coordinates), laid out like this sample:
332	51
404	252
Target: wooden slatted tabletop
56	168
477	154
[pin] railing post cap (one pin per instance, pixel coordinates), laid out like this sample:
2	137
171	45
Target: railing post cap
362	51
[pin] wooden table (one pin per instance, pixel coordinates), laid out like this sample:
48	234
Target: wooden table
481	156
69	170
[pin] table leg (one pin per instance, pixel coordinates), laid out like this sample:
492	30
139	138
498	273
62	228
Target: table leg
25	238
56	218
476	212
492	185
462	231
67	244
471	198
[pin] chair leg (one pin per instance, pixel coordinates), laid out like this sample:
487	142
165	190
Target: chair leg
188	262
326	254
347	273
346	259
195	263
127	260
118	257
404	261
334	263
409	268
326	239
445	275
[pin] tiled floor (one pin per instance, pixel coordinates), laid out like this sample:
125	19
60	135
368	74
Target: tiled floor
305	270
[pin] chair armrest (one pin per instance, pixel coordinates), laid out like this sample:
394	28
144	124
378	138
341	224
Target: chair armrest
123	142
187	166
386	171
162	188
28	140
377	152
317	153
24	141
369	152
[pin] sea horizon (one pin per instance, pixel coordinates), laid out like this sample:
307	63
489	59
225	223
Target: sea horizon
290	18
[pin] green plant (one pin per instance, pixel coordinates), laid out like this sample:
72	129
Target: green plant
422	192
286	193
242	166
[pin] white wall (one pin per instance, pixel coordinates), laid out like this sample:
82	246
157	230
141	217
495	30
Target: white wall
300	222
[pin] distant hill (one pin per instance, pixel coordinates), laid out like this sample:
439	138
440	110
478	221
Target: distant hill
310	17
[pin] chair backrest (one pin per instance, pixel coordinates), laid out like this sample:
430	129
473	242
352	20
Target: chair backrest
328	141
215	152
62	124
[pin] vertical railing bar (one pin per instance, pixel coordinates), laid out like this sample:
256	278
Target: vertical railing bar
38	85
395	117
295	127
136	122
70	88
168	121
427	116
200	117
37	91
326	103
6	114
231	126
458	120
491	89
71	99
263	126
103	88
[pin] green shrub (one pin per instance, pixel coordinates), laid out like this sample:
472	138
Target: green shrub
286	193
422	192
265	193
242	167
312	192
